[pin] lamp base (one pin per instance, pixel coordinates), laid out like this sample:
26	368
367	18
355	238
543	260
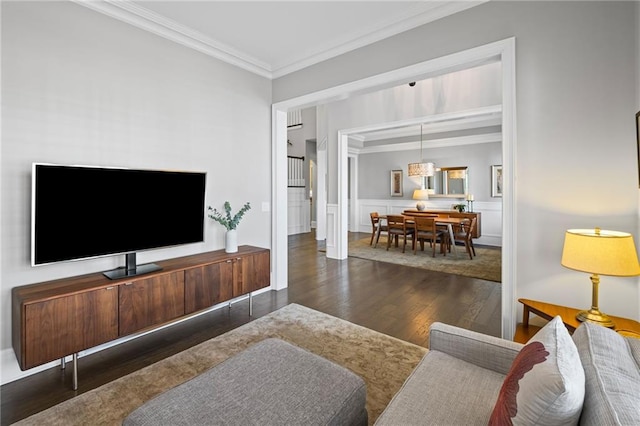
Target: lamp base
596	317
421	206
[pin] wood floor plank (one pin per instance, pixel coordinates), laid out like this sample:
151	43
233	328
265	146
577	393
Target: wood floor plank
396	300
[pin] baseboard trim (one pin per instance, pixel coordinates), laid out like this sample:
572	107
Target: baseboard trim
10	370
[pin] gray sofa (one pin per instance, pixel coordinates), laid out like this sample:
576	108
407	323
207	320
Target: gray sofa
466	378
460	378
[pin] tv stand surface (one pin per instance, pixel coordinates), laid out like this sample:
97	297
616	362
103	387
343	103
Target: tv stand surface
55	319
126	272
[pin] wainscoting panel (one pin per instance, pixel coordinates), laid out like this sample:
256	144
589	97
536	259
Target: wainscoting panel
491	223
298	212
491	215
365	210
332	213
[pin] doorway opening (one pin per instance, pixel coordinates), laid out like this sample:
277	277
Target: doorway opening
337	215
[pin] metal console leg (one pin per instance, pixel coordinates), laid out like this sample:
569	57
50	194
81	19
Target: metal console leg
250	304
63	363
75	371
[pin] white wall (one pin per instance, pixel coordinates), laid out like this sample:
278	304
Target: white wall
82	88
576	162
464	90
637	49
373	169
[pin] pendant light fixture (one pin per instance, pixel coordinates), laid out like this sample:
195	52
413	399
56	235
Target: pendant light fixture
421	169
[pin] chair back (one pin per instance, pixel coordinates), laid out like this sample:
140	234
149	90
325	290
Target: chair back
424	225
466	236
467	228
472	226
375	218
395	219
396	222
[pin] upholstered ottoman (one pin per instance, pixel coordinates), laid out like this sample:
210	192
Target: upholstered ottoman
269	383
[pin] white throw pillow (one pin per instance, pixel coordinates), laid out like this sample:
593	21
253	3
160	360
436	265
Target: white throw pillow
545	385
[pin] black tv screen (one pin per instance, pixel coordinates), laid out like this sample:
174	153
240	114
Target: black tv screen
82	212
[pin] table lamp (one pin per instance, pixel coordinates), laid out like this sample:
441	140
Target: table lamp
599	252
421	194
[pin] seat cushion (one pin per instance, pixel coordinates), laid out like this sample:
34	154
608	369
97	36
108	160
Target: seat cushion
545	385
270	383
444	390
611	364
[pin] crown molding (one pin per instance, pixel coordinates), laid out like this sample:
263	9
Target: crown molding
426	12
434	143
410	131
147	20
143	18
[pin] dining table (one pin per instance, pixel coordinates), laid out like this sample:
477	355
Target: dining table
449	222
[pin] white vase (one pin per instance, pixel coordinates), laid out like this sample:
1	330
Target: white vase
231	241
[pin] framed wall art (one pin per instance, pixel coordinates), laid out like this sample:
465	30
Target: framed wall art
396	183
496	181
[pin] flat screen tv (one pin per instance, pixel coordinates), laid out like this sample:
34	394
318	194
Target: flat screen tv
81	212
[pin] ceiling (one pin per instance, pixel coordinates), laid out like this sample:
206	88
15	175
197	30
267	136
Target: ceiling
275	38
472	127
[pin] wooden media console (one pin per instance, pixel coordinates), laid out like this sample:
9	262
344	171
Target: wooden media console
52	320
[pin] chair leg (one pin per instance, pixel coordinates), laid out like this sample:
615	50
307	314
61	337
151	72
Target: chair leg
444	243
373	234
406	237
378	238
468	247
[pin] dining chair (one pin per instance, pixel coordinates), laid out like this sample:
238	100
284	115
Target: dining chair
464	234
375	224
397	226
425	228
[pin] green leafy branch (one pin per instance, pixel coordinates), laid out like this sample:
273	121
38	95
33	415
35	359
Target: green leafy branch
459	207
227	220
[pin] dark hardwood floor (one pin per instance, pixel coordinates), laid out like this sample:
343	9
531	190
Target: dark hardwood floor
392	299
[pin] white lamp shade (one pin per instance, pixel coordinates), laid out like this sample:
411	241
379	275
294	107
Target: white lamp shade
421	194
600	252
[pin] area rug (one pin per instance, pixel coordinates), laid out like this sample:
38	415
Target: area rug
383	362
486	265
